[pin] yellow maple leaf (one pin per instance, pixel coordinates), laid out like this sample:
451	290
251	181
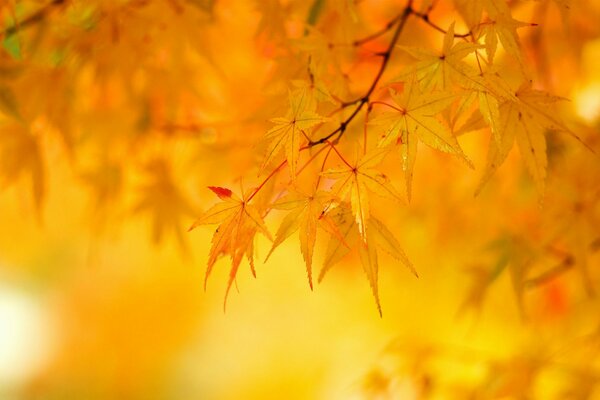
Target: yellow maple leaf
307	212
441	69
525	120
378	235
20	154
238	223
414	120
291	130
504	29
357	180
166	204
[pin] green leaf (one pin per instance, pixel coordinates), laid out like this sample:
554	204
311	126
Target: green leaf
12	45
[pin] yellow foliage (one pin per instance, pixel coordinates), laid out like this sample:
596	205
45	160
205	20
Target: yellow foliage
116	115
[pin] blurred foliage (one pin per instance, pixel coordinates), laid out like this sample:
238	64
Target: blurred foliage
304	119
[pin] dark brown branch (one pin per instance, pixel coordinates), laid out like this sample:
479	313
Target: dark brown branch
425	18
401	21
379	33
566	264
33	19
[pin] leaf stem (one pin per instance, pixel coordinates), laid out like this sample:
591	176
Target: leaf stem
340	155
383	103
283	163
266	180
425	18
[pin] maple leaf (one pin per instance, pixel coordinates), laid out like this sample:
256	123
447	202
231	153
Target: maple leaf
441	69
307	211
377	235
503	27
291	130
525	120
514	254
315	90
238	223
163	200
20	154
498	26
573	217
106	182
414	119
357	180
470	10
489	90
273	17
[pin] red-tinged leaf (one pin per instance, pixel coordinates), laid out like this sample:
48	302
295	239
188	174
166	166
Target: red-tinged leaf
223	193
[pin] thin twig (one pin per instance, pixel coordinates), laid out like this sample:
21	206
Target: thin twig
34	18
425	18
365	98
379	33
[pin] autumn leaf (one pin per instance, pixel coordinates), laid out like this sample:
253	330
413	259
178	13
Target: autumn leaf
20	154
513	254
314	90
378	235
489	90
525	120
414	119
501	27
572	220
441	69
357	180
470	11
239	221
160	197
290	131
106	182
307	212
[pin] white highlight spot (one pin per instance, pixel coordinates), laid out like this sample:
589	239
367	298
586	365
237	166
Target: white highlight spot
25	337
587	102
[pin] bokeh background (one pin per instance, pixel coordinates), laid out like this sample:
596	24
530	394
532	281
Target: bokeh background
116	115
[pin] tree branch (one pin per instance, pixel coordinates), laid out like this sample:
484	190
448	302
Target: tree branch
33	19
401	21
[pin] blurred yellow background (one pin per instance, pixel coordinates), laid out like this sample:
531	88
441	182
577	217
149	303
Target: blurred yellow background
95	304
